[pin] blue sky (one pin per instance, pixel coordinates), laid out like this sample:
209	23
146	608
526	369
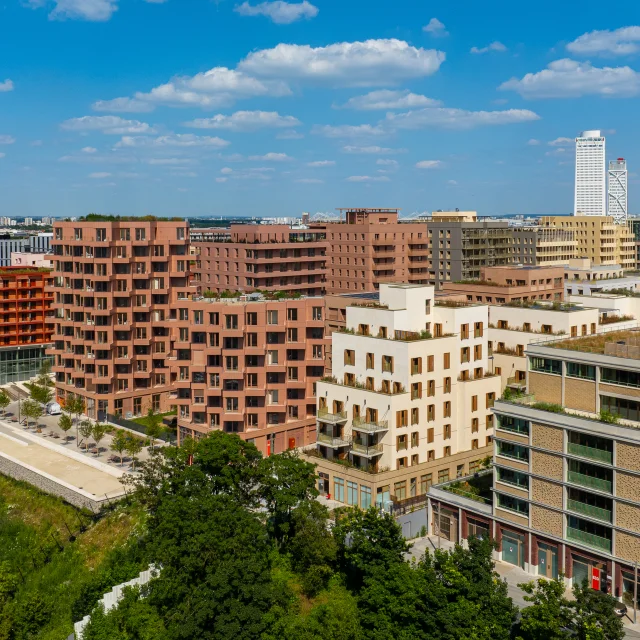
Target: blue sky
205	107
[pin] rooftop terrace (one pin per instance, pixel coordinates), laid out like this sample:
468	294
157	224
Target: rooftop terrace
623	343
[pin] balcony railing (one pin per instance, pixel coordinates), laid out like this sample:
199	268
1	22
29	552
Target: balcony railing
332	441
325	416
370	426
367	450
590	482
601	455
590	539
589	510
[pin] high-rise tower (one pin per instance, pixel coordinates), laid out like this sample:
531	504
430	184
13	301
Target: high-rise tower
618	190
590	189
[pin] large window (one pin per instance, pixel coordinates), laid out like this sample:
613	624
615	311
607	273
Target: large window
616	376
513	504
510	450
517	425
352	493
626	409
584	371
509	476
365	496
546	365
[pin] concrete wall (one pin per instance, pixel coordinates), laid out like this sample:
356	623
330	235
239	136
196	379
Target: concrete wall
412	523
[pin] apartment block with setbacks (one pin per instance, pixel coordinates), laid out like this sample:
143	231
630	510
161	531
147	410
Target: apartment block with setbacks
409	400
115	282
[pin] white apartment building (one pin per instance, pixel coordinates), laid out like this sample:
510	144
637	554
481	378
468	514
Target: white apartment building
617	194
590	185
411	395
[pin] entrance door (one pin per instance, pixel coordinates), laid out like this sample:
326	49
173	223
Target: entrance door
513	548
445	522
547	561
581	572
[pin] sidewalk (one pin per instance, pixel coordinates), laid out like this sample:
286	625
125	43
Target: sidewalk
512	574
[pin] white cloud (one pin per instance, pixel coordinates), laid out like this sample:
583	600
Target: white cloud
88	149
368	63
106	124
122	105
6	139
272	157
289	135
619	42
367	179
457	118
221	179
36	143
387	162
533	142
560	151
226	170
435	28
494	46
371	150
452	182
571	79
559	142
429	164
7	85
171	161
321	163
88	158
172	140
91	10
98	175
348	131
245	121
279	12
183	174
2	155
309	181
387	99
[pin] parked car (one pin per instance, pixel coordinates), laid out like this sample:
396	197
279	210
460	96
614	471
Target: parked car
53	409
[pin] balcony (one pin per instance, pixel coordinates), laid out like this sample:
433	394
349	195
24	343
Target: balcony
590	539
370	426
332	441
368	451
589	510
332	418
600	455
591	482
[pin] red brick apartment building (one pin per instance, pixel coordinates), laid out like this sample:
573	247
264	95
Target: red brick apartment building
116	283
265	257
371	246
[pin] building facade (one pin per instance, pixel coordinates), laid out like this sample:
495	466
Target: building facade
247	366
265	257
40	243
543	246
617	194
115	286
371	247
590	182
566	477
409	400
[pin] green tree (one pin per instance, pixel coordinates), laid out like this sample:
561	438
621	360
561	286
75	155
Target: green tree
312	547
31	410
65	423
285	482
99	431
549	614
41	394
367	540
153	426
133	448
594	617
8	583
5	401
30	615
75	406
119	443
86	429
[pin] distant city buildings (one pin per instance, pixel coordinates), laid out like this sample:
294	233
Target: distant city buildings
590	184
618	190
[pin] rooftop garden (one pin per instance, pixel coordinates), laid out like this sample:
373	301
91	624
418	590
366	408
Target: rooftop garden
595	343
476	487
623	292
484	283
400	336
614	319
539	304
356	384
267	295
522	329
370	305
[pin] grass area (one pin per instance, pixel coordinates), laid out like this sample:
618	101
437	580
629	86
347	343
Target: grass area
55	559
143	420
595	343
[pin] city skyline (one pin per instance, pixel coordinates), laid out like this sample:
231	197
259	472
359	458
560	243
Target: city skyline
275	108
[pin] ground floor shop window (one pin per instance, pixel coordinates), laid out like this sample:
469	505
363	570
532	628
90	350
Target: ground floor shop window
338	489
477	528
352	493
365	497
513	548
547	560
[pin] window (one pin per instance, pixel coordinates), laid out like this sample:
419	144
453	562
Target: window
515	451
430	363
292	314
447	409
401	463
401	442
509	476
546	365
415	415
338	489
370	361
425	482
446	433
272	317
513	504
416	366
416	390
474	403
490	399
447	361
231	321
431	412
365	497
349	357
430	435
447	385
475	425
478	330
446	452
232	404
352	493
616	376
401	418
415	439
400	489
477	352
464	331
317	315
387	364
443	476
465	354
516	425
292	335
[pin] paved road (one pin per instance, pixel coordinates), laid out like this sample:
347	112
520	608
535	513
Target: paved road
513	576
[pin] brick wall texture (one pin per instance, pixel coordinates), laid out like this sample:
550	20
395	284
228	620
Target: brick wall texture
547	465
627	546
546	520
628	456
627	486
546	492
628	516
545	387
580	394
547	437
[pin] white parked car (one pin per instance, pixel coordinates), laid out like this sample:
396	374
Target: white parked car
53	409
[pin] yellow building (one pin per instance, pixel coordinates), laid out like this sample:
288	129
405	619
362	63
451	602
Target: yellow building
598	238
